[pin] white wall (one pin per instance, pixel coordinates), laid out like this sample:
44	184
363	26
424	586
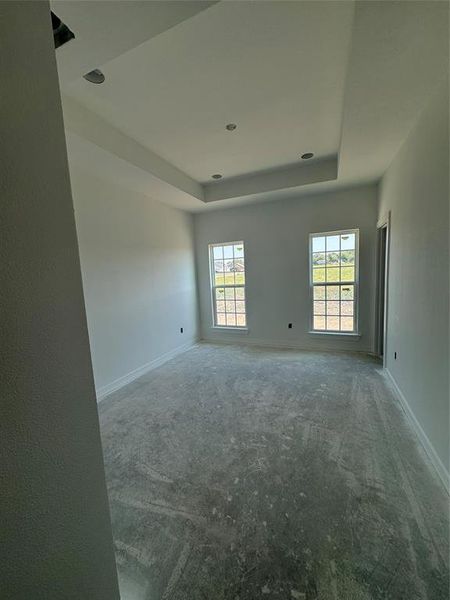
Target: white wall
137	262
415	190
55	530
276	238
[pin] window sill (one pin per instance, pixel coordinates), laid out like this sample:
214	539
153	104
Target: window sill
225	328
337	334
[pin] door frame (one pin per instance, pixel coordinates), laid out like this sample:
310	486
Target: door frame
382	298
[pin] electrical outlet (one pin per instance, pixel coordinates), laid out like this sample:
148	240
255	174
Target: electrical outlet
395	355
289	325
181	329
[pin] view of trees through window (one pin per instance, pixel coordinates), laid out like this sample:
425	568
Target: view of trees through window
227	265
334	262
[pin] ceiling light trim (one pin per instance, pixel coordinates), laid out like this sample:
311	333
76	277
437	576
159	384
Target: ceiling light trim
95	76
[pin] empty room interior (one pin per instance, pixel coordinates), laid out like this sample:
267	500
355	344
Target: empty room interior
225	264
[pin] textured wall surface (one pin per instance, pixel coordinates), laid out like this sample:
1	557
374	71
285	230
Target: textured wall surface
137	262
56	535
276	238
416	191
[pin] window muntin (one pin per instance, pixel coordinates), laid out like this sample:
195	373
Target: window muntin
227	268
334	281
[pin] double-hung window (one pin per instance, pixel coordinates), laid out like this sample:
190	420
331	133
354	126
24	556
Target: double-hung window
227	268
334	281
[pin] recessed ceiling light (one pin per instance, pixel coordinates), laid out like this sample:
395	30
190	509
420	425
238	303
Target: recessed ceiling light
95	76
216	176
307	155
231	126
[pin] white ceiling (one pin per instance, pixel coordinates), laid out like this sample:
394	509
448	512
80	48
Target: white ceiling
277	69
400	54
341	79
106	29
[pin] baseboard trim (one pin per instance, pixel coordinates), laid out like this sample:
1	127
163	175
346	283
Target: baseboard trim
121	382
436	462
244	341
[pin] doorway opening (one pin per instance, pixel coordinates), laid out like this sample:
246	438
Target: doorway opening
382	288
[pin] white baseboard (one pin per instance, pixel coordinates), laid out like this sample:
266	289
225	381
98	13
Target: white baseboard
283	345
115	385
437	463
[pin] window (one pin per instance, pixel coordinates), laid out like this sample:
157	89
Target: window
334	281
228	284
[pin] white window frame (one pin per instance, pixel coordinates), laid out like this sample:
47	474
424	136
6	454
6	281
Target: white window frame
355	283
213	286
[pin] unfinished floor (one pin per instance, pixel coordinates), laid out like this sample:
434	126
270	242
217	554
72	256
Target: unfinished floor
240	473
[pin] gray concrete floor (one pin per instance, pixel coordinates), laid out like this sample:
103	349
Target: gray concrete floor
240	473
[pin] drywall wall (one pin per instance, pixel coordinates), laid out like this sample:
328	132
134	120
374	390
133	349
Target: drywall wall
415	191
137	262
56	539
276	237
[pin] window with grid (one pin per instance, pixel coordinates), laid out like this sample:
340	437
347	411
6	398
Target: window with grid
227	264
334	280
